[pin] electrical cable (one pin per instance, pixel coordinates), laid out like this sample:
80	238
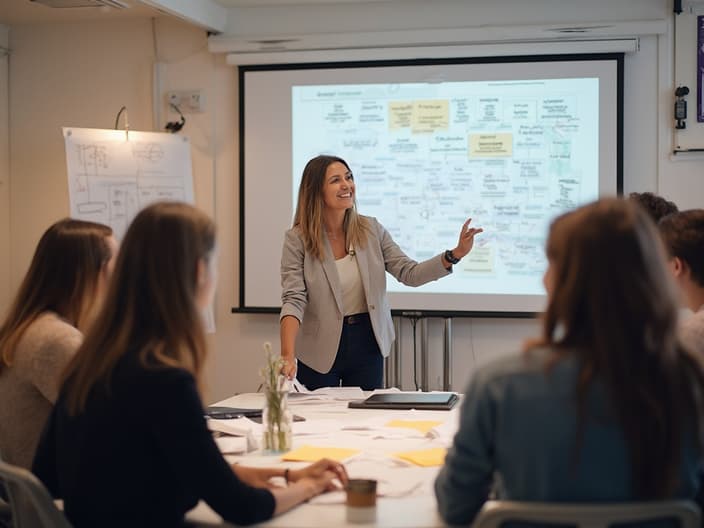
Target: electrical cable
175	126
117	119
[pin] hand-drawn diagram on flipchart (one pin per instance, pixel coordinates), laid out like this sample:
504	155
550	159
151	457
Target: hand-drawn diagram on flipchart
112	174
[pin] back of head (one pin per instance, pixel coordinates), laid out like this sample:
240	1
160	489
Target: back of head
656	206
150	309
611	280
683	235
62	278
615	306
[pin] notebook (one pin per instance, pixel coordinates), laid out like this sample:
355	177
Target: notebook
226	413
432	401
229	413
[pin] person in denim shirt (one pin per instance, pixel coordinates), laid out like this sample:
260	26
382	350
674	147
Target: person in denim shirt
606	405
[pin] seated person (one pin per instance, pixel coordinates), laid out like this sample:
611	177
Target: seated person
656	206
683	235
127	443
56	302
605	405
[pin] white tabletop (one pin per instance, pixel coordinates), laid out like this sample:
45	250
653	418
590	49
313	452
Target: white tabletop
413	508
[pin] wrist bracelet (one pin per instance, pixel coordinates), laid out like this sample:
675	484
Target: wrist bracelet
450	257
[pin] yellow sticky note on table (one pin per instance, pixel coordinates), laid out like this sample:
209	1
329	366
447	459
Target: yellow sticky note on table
435	456
312	453
420	425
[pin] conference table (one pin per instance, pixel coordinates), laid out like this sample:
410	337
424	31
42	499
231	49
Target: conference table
377	437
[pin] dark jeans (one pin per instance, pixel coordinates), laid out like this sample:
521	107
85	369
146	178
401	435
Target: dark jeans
358	361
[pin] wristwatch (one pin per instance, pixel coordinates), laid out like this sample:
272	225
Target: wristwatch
450	257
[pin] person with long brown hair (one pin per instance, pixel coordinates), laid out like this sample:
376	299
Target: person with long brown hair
56	302
335	316
606	406
127	443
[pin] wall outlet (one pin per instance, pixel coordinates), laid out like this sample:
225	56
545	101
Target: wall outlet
188	101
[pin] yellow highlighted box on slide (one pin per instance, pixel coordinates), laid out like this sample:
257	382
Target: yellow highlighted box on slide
429	116
479	260
400	115
490	145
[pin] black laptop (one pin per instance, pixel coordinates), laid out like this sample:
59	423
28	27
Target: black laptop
431	401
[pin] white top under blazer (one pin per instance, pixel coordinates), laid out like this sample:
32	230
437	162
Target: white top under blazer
353	299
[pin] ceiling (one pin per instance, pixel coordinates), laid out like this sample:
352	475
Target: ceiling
13	12
260	3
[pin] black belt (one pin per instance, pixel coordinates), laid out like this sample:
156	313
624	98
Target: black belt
356	318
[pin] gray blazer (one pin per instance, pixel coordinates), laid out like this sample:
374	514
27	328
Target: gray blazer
311	291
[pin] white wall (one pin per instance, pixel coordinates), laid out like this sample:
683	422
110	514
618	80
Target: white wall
681	176
80	74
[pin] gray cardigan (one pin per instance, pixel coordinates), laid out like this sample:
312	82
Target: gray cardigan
311	291
29	388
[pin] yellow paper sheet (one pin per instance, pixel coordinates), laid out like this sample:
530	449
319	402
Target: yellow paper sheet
434	456
420	425
312	453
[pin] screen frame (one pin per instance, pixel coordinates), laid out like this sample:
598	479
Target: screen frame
243	69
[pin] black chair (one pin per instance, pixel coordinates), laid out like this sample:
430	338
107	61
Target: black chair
28	501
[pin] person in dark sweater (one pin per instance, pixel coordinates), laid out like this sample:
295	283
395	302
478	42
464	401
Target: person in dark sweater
127	443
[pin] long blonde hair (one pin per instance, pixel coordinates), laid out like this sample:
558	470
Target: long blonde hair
309	211
614	306
62	277
150	309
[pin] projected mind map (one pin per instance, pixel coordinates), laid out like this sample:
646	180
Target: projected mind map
112	176
510	154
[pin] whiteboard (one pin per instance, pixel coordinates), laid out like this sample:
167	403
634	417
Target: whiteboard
113	174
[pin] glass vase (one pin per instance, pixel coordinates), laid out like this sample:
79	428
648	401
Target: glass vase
277	420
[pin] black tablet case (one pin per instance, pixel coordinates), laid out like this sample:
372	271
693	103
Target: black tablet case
431	401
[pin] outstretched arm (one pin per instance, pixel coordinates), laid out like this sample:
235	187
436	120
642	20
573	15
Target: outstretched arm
465	242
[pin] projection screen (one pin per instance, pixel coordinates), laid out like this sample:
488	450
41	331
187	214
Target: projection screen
510	142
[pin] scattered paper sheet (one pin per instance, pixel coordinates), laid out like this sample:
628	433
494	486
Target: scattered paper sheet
419	425
434	456
316	427
299	393
312	454
232	445
235	427
393	480
250	431
385	391
445	432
